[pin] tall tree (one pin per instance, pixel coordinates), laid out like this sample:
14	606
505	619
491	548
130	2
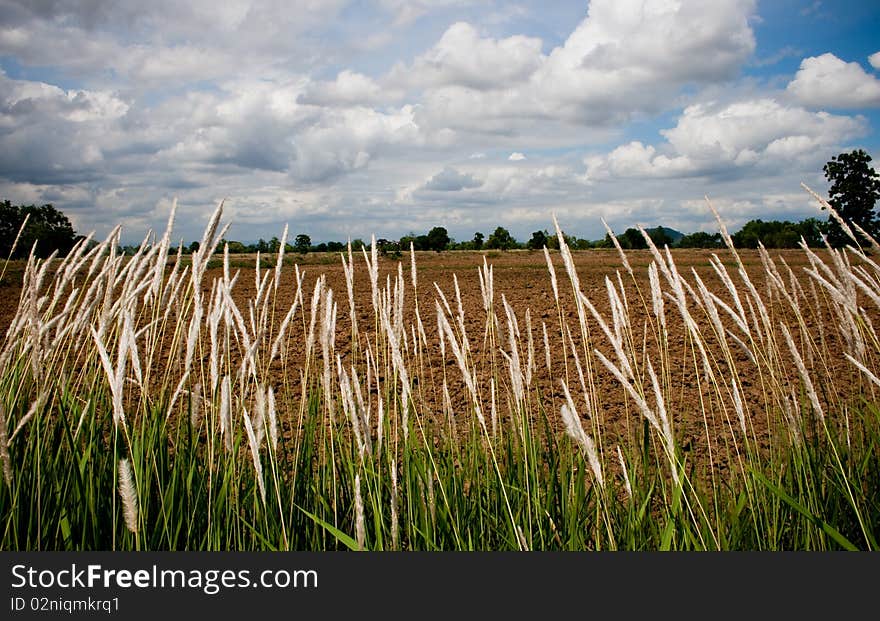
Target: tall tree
48	227
855	188
538	240
303	243
438	239
501	239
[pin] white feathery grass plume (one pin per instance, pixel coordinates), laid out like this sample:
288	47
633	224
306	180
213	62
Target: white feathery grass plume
36	406
612	337
4	446
395	523
443	299
400	368
258	420
348	271
530	349
177	275
617	245
573	277
657	295
546	347
82	417
745	348
580	370
413	274
523	542
552	271
273	420
874	245
282	330
373	270
462	363
363	408
738	405
348	405
177	392
114	377
639	399
162	255
327	333
618	312
214	317
513	359
487	284
447	404
195	416
861	367
432	501
626	481
280	262
24	223
576	431
317	294
130	339
710	307
861	278
380	412
359	528
128	493
802	370
722	228
399	291
840	221
226	412
255	454
666	430
791	419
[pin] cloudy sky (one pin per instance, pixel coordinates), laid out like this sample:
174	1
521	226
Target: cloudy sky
351	118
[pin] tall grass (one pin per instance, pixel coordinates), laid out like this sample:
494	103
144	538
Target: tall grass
146	405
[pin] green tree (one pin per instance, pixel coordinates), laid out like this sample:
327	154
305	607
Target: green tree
659	237
855	188
302	243
538	240
478	240
701	239
46	226
779	234
501	239
438	239
632	239
235	247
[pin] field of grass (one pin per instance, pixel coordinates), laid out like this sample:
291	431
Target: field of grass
153	402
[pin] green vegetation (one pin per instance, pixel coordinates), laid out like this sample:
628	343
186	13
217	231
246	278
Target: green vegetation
43	229
149	408
855	189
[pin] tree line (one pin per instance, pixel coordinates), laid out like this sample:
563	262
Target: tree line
854	191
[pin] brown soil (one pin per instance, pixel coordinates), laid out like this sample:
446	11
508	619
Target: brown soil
701	427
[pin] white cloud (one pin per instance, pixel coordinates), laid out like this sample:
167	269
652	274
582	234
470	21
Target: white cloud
874	59
461	57
516	156
451	180
718	139
348	89
625	58
827	81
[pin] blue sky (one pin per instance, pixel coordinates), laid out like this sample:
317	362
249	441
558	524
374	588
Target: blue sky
351	118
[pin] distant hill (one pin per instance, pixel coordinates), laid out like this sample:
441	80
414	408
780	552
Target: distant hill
670	233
